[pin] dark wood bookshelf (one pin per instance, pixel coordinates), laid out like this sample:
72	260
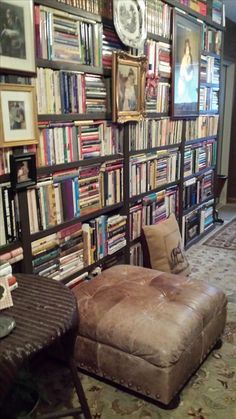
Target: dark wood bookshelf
73	165
135	241
153	149
53	4
81	219
96	116
200	140
195	206
10	246
200	236
159	188
210	54
94	265
201	172
157	115
63	65
158	38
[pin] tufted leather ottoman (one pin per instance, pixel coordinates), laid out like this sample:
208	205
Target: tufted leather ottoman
147	330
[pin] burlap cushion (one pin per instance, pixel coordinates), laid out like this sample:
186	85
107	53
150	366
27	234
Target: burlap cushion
164	247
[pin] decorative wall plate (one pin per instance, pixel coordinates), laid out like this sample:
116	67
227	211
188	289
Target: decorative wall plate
130	22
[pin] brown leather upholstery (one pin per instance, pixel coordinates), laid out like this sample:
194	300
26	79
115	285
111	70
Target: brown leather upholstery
146	329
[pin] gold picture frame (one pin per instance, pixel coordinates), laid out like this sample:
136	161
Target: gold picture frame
128	87
18	116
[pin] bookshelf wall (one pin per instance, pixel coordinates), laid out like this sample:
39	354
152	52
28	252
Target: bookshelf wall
100	182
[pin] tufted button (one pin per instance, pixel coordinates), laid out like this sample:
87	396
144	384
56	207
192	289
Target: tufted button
130	384
138	388
113	378
147	392
122	381
157	396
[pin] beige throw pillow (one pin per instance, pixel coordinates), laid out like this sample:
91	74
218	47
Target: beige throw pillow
165	247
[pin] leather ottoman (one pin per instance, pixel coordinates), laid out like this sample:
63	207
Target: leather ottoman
147	330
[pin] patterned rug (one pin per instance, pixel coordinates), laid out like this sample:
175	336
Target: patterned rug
225	237
211	392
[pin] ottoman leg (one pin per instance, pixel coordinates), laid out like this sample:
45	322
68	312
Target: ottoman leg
218	344
174	403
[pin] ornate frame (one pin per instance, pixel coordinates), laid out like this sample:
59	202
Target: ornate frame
124	65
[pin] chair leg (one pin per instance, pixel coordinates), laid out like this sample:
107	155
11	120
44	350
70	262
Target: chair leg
79	389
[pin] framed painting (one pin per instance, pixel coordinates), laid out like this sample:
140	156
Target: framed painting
23	170
17	50
128	85
18	117
187	42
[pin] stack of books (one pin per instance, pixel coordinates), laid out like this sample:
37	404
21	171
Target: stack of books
95	93
158	18
136	255
7	276
112	182
89	189
157	96
110	43
9	215
158	55
203	126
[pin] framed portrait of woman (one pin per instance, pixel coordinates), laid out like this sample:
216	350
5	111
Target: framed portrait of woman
128	83
187	41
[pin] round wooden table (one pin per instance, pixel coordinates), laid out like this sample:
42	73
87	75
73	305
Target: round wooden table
46	313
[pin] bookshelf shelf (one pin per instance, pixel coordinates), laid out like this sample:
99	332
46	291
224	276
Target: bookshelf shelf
201	172
73	165
158	38
163	186
204	84
205	113
83	218
69	9
149	150
63	65
74	117
193	207
4	178
211	54
199	140
156	115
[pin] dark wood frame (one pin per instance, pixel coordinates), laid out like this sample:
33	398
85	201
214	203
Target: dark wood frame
30	158
184	113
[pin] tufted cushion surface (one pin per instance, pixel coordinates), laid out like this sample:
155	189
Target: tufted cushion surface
149	314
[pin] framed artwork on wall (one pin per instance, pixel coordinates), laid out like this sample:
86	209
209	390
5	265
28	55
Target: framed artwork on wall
23	170
17	51
187	43
128	84
18	116
130	22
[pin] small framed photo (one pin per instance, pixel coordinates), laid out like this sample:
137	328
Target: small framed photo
187	41
23	170
128	85
18	117
17	51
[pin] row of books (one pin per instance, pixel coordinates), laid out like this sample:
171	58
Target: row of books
66	37
60	91
79	140
158	58
9	215
158	18
198	189
149	133
218	12
209	99
202	126
199	157
136	255
199	6
197	221
12	256
152	209
110	43
212	40
61	254
157	95
101	7
149	171
73	193
210	70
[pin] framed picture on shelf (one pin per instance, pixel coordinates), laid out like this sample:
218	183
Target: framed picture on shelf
130	22
187	43
17	51
18	116
23	170
128	84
